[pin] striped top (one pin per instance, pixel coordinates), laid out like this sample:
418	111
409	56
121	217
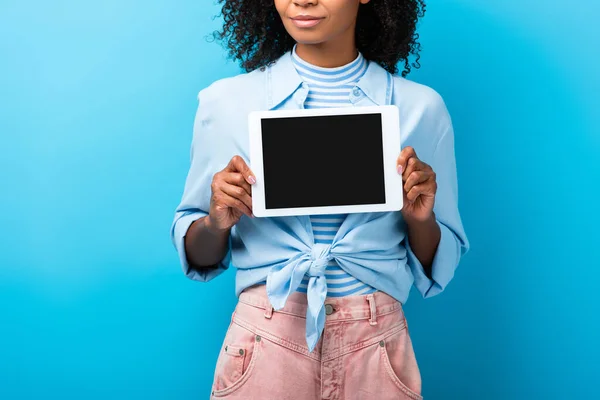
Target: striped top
331	87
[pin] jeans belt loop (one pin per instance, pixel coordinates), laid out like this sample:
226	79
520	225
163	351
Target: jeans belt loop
372	306
269	311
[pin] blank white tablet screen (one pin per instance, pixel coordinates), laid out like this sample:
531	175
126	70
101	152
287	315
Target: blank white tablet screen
319	161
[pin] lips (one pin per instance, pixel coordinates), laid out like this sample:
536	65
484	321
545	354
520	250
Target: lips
306	21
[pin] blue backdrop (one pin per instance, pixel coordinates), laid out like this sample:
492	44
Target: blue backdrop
97	101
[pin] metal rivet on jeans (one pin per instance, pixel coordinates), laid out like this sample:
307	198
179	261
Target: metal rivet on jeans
257	338
328	309
382	343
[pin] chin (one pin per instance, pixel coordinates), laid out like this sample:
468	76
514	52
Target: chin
305	38
310	42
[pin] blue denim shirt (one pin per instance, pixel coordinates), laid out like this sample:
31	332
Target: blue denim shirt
373	247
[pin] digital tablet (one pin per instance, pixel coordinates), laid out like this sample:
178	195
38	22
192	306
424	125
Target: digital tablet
325	161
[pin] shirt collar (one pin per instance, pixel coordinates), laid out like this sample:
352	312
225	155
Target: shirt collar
283	81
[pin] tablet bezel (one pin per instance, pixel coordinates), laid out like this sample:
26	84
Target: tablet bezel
391	150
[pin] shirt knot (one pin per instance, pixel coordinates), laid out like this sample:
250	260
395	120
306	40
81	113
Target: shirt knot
319	258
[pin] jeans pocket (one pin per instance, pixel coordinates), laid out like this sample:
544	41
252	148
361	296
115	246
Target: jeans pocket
236	360
400	362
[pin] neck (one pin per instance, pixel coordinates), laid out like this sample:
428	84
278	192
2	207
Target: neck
329	54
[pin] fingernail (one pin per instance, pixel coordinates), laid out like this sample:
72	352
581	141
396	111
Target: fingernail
252	179
400	169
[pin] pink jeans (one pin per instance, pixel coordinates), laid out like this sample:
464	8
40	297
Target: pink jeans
365	351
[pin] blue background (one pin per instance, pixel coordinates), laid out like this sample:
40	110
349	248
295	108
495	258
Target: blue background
97	101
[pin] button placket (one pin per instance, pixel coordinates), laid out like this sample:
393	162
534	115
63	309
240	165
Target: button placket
356	95
301	94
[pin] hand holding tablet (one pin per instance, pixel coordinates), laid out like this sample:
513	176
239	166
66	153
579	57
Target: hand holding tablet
325	161
230	195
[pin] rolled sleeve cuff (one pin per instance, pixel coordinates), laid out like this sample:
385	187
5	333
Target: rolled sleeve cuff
180	229
445	261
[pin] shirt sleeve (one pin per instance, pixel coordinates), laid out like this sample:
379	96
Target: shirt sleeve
453	242
195	201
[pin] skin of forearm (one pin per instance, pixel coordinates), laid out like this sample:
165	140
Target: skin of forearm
424	238
205	246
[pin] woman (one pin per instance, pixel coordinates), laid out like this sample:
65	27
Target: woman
320	298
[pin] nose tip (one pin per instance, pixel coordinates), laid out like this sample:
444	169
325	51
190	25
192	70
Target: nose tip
304	3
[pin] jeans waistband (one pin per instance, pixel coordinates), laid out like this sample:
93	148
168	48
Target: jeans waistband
355	307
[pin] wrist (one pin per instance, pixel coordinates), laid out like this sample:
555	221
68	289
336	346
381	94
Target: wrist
429	220
211	228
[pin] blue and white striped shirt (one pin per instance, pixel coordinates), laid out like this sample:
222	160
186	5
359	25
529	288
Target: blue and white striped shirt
328	88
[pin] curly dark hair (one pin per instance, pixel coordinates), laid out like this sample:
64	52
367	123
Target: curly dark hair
385	32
